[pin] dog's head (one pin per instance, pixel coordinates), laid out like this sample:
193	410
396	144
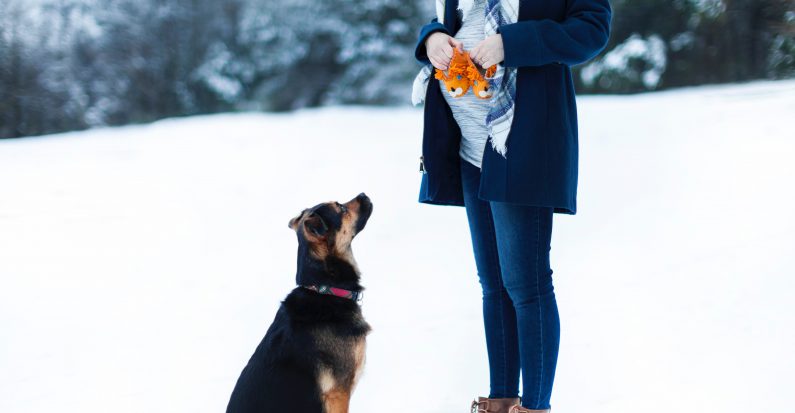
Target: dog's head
325	233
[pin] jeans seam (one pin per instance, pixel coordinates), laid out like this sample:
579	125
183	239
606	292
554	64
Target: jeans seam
540	307
493	250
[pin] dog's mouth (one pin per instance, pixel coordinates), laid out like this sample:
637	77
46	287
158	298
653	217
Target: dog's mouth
365	210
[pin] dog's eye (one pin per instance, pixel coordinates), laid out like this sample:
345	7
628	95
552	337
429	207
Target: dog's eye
342	207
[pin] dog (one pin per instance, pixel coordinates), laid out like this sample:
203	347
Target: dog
314	351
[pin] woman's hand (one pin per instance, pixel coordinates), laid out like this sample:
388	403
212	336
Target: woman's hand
439	47
488	52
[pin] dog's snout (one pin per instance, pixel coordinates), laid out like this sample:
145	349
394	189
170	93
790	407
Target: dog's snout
365	209
365	203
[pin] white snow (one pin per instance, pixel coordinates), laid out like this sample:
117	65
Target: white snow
140	266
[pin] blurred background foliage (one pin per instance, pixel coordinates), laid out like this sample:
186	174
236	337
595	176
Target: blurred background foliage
75	64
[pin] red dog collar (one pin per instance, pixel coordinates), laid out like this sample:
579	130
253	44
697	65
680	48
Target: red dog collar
337	292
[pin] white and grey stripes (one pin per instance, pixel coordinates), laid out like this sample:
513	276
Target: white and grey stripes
469	111
500	117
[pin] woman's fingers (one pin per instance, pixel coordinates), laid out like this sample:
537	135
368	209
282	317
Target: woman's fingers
456	43
494	53
483	54
439	65
475	53
448	51
439	50
484	59
487	61
488	52
444	55
434	62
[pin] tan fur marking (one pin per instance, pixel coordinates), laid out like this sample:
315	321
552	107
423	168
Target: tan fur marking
337	401
344	237
360	356
326	381
335	398
293	224
319	250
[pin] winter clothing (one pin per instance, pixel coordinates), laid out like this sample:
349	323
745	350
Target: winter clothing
485	405
511	244
497	13
469	109
540	168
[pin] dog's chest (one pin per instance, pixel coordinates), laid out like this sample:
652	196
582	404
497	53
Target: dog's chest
341	356
341	363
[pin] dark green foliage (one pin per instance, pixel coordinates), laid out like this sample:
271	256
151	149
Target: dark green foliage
706	41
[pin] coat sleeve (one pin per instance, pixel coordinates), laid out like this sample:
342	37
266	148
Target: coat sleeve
419	52
578	38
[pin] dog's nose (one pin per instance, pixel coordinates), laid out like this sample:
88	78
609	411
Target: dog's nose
363	200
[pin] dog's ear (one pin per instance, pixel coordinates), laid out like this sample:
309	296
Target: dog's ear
293	224
315	226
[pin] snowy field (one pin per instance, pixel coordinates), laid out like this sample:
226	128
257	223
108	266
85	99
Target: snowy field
140	266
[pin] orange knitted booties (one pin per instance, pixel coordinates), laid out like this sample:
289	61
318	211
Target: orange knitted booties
462	74
481	86
456	80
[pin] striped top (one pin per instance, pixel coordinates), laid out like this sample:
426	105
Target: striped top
468	111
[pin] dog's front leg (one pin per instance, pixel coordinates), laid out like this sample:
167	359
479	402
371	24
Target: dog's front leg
337	401
336	398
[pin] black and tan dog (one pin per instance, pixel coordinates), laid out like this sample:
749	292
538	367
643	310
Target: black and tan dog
313	353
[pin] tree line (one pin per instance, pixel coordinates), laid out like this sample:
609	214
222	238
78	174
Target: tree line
75	64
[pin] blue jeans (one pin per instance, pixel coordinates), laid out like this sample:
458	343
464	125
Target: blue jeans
511	244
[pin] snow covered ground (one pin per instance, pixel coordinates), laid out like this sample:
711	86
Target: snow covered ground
140	266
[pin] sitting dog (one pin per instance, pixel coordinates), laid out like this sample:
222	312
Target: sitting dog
313	353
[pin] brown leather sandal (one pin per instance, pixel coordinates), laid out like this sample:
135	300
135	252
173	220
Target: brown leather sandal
486	405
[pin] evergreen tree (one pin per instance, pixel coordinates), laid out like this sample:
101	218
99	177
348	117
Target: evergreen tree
73	64
701	41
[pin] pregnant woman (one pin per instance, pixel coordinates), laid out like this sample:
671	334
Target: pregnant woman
507	151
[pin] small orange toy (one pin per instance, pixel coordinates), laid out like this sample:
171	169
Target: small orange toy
481	86
456	80
462	74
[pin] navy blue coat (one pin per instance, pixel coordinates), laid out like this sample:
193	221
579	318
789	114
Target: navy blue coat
541	164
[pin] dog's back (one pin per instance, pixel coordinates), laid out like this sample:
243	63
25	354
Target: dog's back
275	378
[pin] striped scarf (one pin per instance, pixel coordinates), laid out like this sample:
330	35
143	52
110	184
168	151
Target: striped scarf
500	117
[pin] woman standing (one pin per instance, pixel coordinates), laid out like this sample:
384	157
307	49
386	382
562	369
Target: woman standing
512	162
